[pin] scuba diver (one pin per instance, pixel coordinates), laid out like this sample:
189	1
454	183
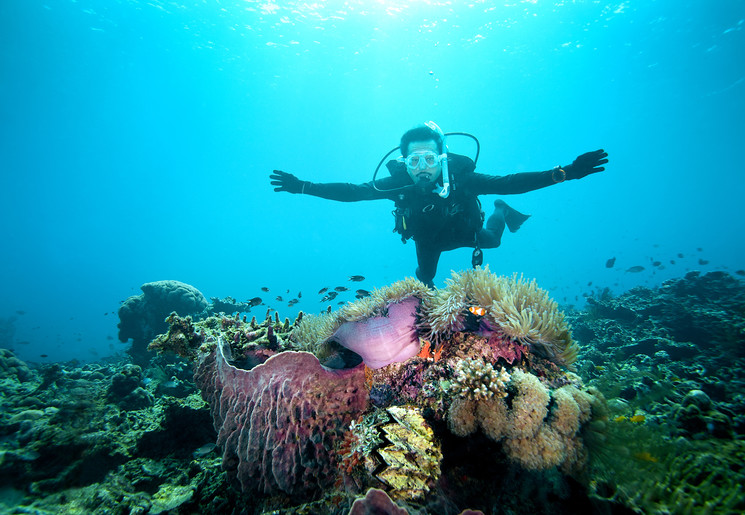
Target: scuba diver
436	195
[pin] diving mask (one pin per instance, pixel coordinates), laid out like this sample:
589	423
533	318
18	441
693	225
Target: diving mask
423	160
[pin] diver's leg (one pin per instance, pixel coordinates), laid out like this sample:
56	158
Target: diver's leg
490	236
427	258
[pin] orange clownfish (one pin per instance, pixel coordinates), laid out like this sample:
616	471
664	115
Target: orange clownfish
477	310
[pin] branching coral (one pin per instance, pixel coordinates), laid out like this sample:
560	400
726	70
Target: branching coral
478	379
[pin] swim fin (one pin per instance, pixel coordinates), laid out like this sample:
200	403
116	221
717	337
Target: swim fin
512	217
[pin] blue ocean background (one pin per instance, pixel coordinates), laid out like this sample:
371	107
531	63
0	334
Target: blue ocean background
137	140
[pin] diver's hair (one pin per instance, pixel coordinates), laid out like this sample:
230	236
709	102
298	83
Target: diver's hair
420	133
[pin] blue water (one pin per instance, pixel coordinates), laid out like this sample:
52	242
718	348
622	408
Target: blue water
137	139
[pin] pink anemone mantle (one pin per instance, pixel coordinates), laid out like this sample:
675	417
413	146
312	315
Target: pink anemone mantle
385	339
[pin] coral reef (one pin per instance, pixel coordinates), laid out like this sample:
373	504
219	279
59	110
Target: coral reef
142	317
484	415
68	445
670	362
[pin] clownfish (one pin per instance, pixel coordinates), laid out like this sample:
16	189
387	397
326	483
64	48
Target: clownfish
477	310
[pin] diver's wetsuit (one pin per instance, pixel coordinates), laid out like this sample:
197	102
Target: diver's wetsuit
438	224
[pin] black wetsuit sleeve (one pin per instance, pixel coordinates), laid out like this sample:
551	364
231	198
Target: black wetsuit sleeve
346	192
482	184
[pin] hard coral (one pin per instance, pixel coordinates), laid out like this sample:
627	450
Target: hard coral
142	316
477	379
278	422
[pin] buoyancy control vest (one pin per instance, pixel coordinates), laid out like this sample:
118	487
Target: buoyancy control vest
425	216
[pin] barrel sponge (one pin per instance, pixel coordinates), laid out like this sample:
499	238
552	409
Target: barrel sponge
545	449
492	415
565	413
529	407
462	417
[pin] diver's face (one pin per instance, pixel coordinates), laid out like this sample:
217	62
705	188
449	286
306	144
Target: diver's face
423	174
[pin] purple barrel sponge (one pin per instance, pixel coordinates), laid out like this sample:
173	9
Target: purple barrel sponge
279	422
383	340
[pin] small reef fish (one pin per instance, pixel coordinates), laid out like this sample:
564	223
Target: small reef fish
204	450
656	263
264	288
356	278
255	301
703	261
610	263
341	288
645	456
477	310
329	296
362	293
293	302
600	368
740	272
680	255
322	290
635	269
636	419
341	302
279	298
299	295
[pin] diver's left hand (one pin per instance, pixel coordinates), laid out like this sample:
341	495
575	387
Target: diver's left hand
584	165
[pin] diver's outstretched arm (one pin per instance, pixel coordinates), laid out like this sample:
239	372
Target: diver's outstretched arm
339	191
523	182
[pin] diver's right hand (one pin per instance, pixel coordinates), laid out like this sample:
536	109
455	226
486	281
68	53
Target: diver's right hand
287	182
